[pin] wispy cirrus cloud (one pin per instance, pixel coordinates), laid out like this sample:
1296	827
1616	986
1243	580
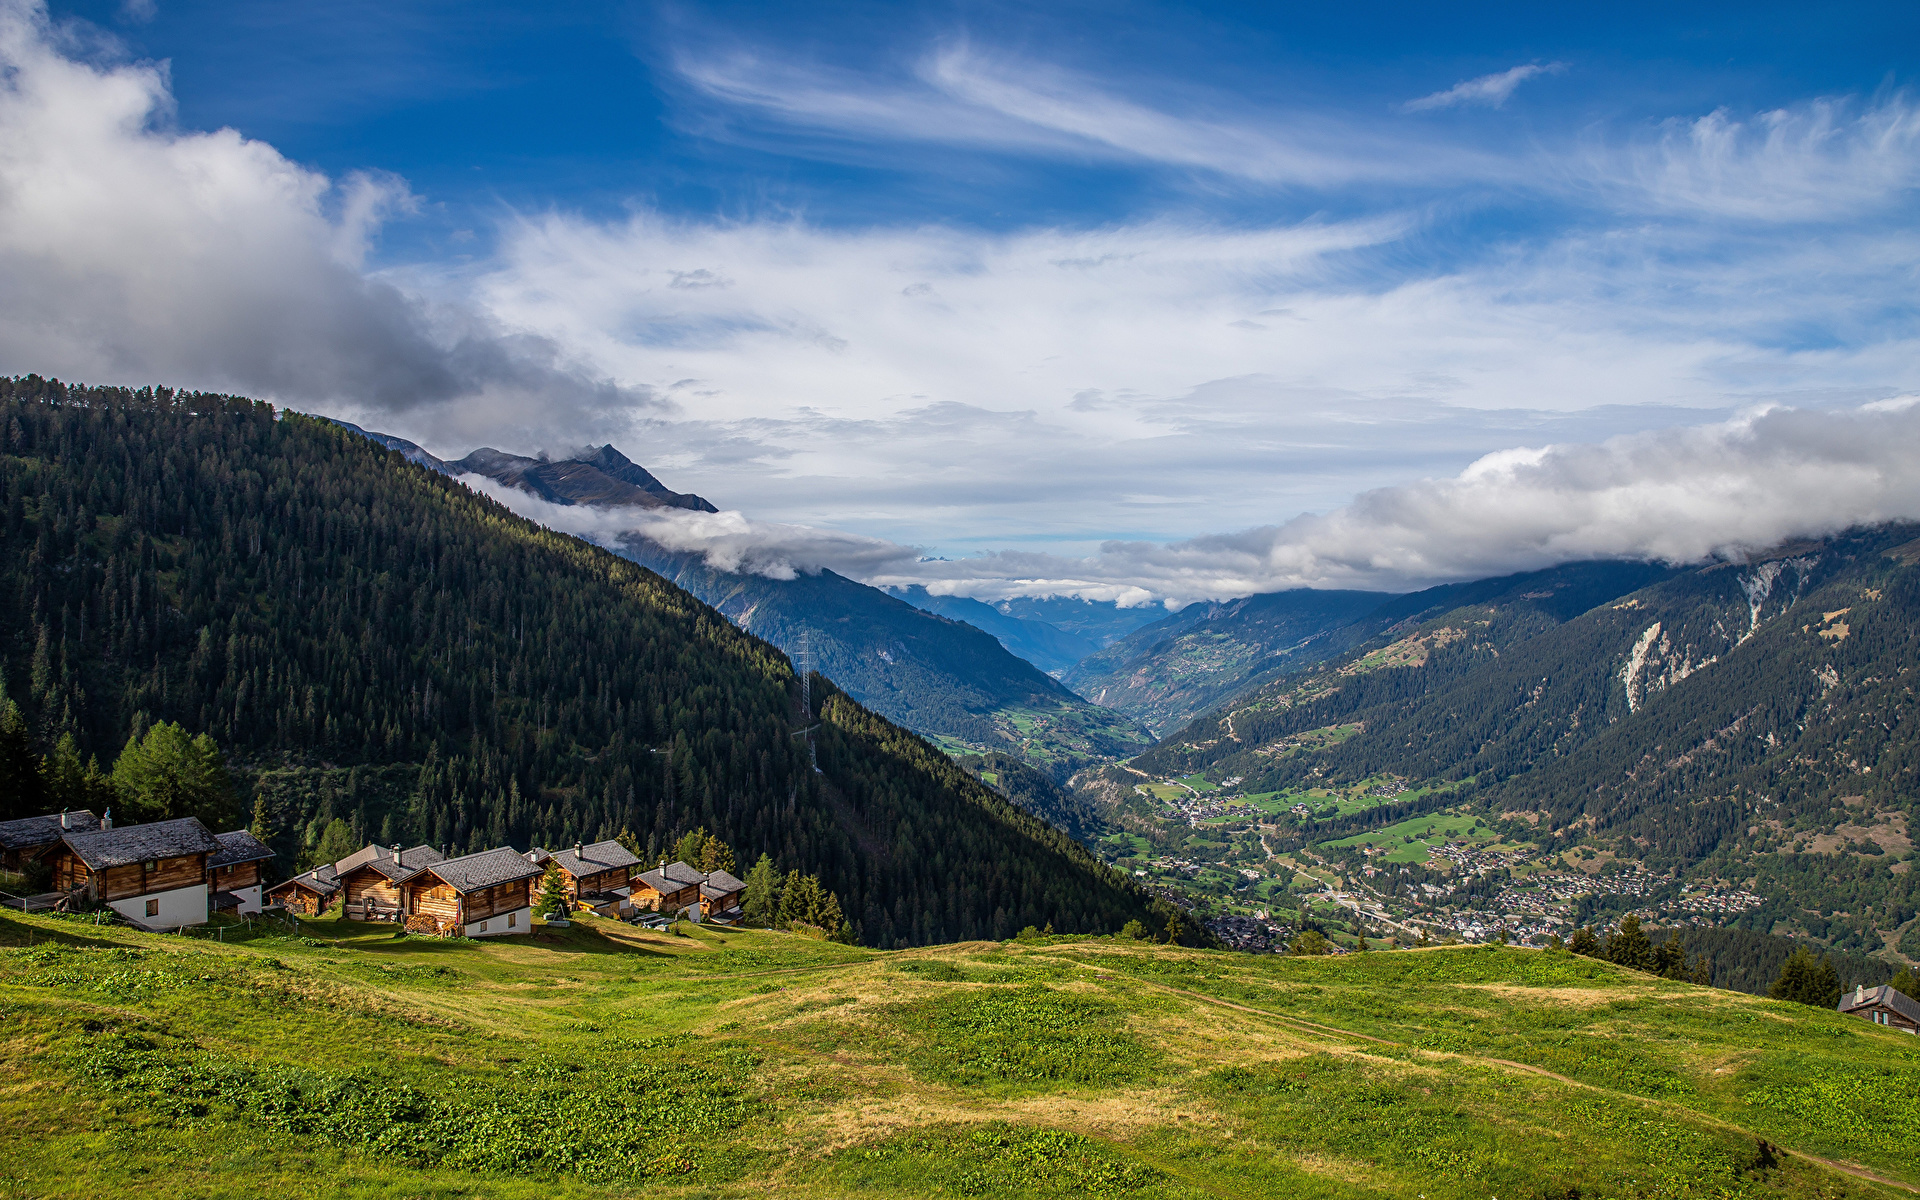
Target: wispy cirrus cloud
1487	91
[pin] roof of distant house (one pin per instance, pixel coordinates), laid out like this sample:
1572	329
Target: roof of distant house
1885	996
28	832
129	844
673	877
471	872
587	860
237	847
321	879
413	856
719	884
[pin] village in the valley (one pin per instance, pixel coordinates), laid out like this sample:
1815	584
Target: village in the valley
1249	863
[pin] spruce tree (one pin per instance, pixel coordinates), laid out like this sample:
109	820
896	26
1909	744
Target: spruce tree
760	906
23	790
170	774
715	855
553	892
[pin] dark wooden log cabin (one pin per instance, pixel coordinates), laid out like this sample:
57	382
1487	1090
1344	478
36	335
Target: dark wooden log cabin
1883	1006
370	890
236	874
596	876
668	888
308	893
476	895
153	875
30	838
721	894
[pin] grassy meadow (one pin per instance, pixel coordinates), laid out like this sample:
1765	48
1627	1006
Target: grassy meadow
604	1061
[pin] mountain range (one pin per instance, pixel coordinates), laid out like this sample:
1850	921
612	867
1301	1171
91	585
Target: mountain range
964	684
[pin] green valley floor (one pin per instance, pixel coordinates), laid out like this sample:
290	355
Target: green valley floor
602	1061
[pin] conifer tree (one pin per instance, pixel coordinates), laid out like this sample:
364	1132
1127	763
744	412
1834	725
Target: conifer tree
1630	947
1806	979
1583	942
688	848
553	891
23	789
761	904
169	774
715	855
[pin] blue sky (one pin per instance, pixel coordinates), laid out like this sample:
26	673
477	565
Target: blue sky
1082	288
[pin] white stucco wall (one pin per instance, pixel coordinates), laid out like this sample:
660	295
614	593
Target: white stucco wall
181	906
497	925
249	900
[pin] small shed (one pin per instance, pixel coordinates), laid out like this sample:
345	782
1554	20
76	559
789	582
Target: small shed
1883	1006
308	893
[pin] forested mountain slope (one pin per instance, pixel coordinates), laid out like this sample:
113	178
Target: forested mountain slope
1751	721
1045	645
940	677
370	639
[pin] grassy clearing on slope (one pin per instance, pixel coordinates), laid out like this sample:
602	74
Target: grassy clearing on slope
607	1062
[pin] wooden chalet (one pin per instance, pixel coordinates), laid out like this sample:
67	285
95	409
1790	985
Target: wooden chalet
476	895
29	838
370	888
597	876
1883	1006
720	895
668	888
235	875
308	893
153	875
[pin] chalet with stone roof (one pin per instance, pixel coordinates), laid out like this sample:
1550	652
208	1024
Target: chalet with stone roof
1883	1006
235	874
370	880
153	875
668	888
598	876
29	838
721	893
308	893
476	895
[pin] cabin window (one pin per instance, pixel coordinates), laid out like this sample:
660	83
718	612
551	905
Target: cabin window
153	908
513	919
483	927
151	864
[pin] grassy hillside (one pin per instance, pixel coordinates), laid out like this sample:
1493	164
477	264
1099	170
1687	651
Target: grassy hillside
373	642
608	1062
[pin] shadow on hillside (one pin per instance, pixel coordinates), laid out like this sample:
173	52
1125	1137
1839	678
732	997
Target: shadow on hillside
20	935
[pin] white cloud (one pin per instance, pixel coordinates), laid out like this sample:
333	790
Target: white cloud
1490	91
1684	495
132	251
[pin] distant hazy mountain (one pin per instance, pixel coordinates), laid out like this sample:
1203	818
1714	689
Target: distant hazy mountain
1166	673
601	479
1045	645
943	678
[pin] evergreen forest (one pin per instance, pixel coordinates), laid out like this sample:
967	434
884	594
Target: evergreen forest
369	641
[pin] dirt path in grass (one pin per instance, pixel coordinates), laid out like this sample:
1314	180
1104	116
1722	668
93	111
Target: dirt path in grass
1853	1169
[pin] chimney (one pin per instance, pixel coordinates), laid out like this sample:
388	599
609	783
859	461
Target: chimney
1859	993
106	819
396	853
579	849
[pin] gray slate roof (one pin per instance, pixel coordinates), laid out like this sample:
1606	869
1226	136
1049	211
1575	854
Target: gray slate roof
127	844
321	879
238	847
471	872
672	878
412	856
28	832
591	860
1883	995
719	884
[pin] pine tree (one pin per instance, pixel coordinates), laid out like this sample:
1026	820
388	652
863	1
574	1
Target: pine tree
169	774
761	905
553	892
23	789
1806	979
687	849
1630	947
1583	942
